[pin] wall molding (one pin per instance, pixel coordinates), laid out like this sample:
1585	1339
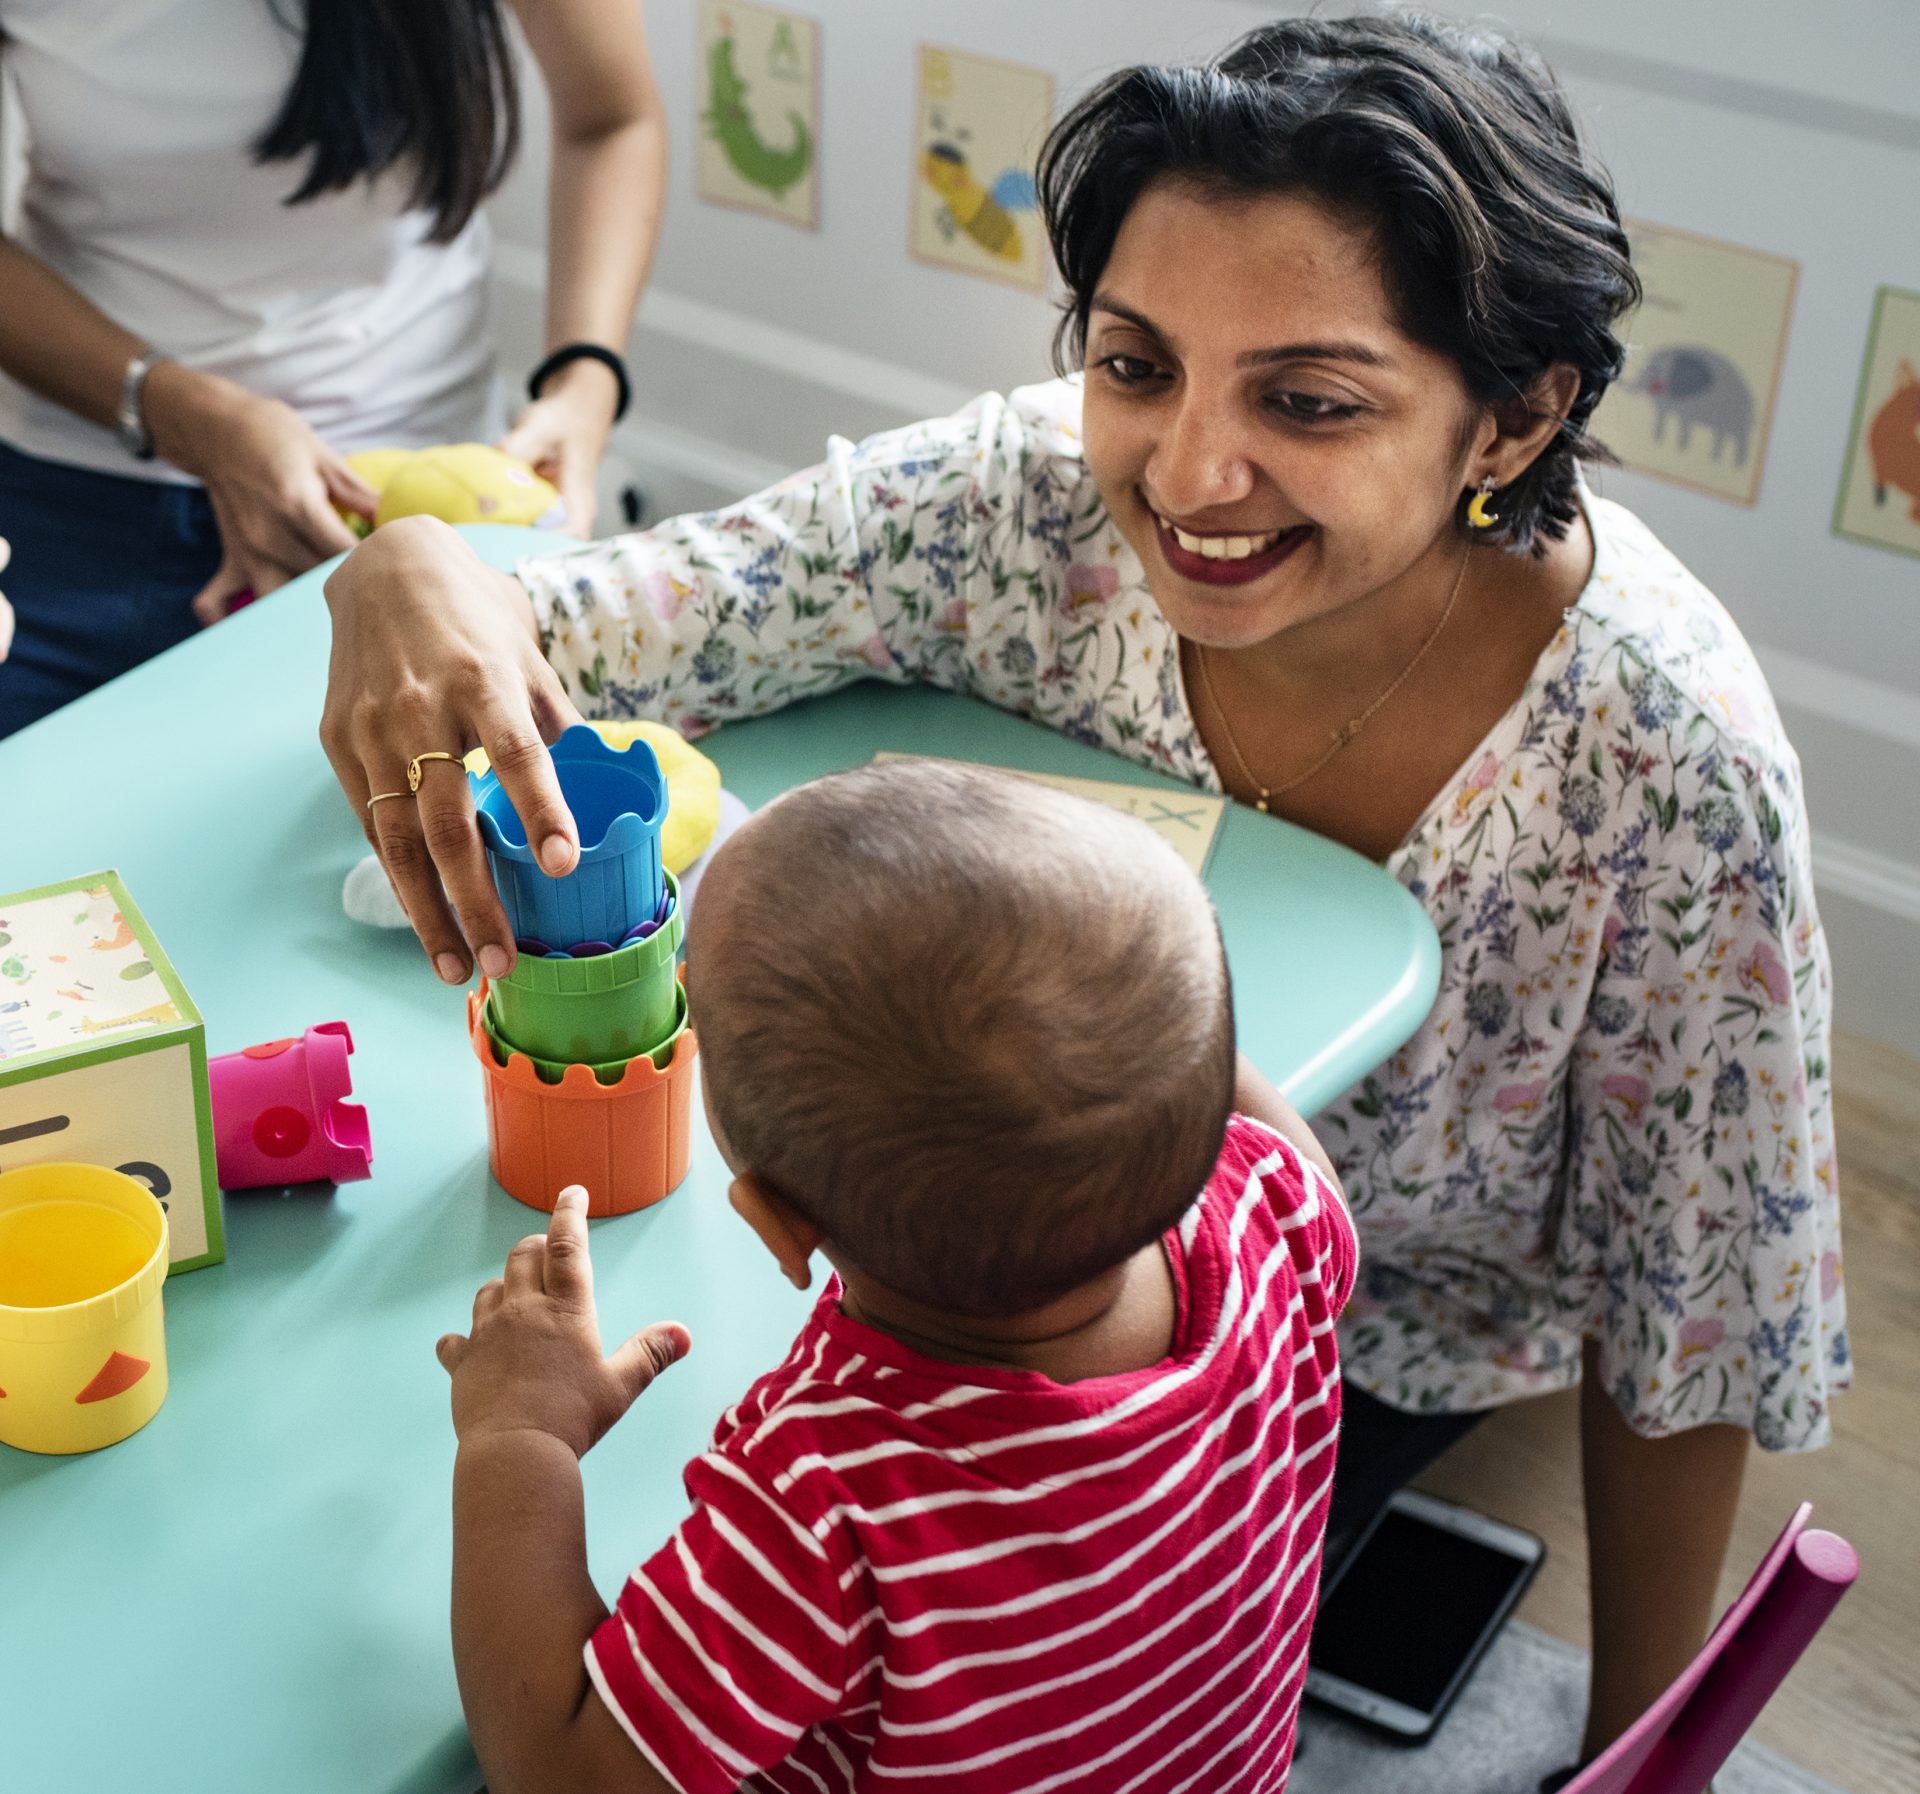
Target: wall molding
760	344
1865	705
645	442
1888	885
1733	93
1709	87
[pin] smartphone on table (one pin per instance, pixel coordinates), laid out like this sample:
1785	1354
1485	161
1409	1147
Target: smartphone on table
1403	1621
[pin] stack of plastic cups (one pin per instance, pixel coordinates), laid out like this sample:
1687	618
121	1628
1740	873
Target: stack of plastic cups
585	1044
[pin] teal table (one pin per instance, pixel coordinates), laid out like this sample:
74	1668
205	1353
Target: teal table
252	1592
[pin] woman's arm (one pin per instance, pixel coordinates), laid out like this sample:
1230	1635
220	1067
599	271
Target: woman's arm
1659	1514
606	184
55	341
1701	1225
273	483
898	559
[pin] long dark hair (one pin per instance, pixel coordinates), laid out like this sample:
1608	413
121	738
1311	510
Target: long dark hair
381	82
1499	237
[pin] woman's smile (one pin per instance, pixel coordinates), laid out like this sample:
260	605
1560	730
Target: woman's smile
1218	558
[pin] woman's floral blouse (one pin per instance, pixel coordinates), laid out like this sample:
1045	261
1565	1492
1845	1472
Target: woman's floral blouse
1615	1123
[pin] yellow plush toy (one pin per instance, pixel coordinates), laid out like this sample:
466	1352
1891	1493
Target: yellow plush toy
460	482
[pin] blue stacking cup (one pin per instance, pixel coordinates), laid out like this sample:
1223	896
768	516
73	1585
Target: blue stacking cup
619	800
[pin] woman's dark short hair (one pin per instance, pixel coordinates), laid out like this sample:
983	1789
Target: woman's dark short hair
1500	241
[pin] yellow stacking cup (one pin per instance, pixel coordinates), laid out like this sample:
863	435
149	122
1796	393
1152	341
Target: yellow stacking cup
83	1355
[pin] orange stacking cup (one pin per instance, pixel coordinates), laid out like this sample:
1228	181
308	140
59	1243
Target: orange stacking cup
627	1142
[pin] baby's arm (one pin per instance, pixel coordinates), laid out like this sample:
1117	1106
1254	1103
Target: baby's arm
531	1394
1254	1095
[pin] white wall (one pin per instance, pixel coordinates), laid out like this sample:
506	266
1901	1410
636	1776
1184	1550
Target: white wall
1774	123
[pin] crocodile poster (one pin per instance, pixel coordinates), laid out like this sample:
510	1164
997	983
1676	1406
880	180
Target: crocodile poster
1880	490
759	130
977	129
1695	401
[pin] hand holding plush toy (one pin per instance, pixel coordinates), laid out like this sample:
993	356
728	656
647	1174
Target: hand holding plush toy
460	482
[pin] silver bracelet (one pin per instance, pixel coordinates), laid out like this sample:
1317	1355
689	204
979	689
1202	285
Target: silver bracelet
130	421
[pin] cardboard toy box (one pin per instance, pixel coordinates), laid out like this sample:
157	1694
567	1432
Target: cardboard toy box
103	1057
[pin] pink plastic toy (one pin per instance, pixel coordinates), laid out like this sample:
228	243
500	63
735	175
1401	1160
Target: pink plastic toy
279	1114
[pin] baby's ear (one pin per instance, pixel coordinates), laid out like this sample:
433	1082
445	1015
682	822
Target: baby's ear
783	1230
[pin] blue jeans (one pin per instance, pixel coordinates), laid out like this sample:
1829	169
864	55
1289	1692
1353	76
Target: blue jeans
103	575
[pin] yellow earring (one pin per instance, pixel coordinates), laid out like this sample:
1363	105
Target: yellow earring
1477	513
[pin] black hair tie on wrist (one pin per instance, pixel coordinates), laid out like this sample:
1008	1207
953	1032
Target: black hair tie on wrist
569	352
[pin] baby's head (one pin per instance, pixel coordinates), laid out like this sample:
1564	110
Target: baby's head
977	1032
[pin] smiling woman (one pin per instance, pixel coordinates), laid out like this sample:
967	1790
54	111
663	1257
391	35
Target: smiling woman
1309	527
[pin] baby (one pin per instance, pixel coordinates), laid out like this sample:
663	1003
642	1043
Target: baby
1036	1499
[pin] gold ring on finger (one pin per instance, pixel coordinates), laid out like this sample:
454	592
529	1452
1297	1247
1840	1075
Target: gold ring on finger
419	760
380	797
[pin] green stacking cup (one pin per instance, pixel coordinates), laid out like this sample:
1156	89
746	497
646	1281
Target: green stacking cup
612	1006
551	1071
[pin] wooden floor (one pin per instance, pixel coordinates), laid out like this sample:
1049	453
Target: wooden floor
1851	1709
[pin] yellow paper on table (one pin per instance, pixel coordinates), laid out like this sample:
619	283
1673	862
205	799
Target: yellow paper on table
1187	821
693	786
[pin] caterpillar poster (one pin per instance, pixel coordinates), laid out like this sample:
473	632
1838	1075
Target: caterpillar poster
759	129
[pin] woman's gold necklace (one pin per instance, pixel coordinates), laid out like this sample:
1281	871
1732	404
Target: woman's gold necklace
1347	730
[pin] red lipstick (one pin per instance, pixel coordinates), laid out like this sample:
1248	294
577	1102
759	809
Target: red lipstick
1205	571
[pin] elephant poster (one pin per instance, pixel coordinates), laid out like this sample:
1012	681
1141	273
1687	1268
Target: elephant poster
977	130
759	132
1695	400
1880	489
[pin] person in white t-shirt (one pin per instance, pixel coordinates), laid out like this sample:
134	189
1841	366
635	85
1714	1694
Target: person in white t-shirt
249	242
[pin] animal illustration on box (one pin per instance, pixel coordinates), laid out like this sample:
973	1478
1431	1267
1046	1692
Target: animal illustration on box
1893	441
1697	386
731	125
988	217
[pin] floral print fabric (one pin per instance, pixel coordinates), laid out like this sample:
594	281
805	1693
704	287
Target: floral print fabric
1616	1122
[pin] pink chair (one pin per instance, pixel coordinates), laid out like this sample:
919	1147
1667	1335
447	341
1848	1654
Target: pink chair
1677	1744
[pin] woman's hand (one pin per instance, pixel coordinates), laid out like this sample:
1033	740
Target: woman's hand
563	434
436	652
277	490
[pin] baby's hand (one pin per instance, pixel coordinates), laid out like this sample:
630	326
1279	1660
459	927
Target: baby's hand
532	1361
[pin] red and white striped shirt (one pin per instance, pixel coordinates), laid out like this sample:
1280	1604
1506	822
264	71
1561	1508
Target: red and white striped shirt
907	1574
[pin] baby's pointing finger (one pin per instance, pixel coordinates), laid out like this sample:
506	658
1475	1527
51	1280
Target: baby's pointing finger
569	1268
